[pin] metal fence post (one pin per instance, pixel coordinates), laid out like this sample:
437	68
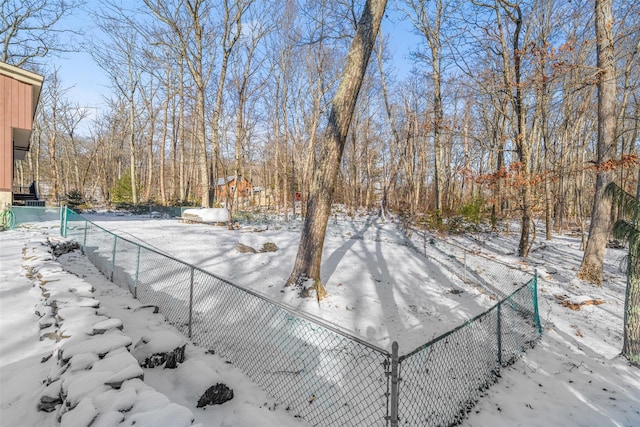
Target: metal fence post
500	333
535	301
113	256
465	266
191	302
135	283
394	384
84	241
62	224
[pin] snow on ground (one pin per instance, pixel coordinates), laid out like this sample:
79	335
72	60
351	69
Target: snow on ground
380	290
91	360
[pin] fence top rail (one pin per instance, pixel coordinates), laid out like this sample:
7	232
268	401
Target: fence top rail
479	255
288	309
465	324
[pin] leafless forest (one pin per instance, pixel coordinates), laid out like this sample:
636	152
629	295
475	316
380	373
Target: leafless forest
497	119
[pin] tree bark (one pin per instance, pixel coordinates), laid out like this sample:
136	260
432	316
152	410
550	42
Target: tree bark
592	262
309	256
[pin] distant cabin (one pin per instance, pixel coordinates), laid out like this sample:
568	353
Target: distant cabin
227	188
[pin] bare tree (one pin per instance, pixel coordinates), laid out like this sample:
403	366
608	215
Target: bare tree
53	95
592	262
429	19
29	29
120	60
309	256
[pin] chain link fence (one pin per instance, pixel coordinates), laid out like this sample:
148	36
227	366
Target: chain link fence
32	214
318	371
491	275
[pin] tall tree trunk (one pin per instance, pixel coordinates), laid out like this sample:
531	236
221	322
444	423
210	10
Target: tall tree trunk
592	262
231	34
309	256
631	344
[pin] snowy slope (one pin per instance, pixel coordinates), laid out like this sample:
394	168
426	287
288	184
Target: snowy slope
379	290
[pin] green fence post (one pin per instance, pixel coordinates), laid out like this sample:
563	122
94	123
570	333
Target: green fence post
535	301
191	302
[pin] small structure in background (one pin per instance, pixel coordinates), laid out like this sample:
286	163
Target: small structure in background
19	96
228	188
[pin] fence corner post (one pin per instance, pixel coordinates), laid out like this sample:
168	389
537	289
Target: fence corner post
535	301
394	384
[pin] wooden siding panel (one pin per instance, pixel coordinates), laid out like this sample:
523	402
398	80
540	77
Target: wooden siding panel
13	100
16	101
28	111
6	146
6	161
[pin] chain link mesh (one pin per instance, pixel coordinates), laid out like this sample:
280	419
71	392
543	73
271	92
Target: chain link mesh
74	226
326	378
27	214
99	248
442	380
494	276
324	375
126	261
166	283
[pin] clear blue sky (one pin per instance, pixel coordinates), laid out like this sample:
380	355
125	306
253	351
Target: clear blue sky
88	83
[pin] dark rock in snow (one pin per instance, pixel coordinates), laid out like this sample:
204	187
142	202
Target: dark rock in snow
215	395
60	248
50	398
170	359
49	404
155	308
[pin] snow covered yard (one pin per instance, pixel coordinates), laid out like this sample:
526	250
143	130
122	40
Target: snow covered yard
37	360
573	377
381	290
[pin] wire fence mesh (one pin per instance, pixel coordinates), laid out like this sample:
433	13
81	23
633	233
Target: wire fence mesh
443	379
494	276
27	214
321	373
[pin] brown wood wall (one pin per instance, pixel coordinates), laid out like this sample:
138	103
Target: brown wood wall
15	112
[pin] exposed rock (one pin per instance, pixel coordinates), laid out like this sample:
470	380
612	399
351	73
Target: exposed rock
50	397
269	247
48	403
60	248
245	249
215	395
155	308
175	357
170	359
160	348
